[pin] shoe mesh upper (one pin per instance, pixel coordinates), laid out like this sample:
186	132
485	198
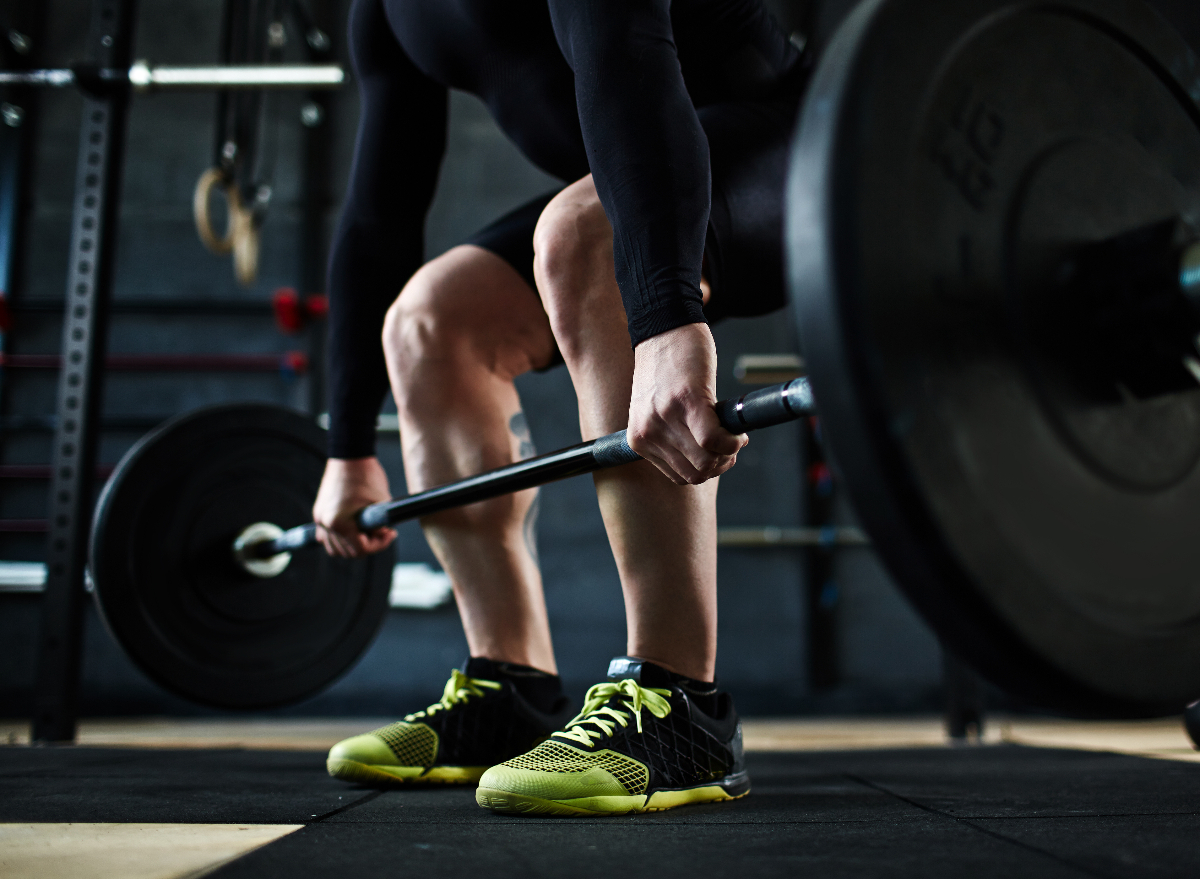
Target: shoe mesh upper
414	744
552	756
477	723
679	752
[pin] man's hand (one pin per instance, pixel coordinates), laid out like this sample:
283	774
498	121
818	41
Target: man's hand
672	422
347	486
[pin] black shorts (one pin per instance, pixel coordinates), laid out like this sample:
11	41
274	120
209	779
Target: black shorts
743	251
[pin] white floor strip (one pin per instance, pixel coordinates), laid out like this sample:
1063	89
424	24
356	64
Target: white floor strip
130	851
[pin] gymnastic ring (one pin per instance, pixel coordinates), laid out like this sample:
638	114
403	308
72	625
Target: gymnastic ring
244	228
209	180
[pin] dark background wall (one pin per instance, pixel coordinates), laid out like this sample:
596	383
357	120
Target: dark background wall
888	659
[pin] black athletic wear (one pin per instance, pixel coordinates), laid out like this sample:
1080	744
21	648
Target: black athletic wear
679	108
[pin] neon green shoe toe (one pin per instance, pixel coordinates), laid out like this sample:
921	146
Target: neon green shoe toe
476	724
633	748
398	753
556	779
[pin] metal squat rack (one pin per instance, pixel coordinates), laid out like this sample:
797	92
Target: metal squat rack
106	85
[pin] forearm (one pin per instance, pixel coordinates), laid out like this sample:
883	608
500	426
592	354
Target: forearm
362	286
379	241
647	151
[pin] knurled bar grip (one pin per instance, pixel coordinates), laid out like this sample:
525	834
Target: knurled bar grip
753	411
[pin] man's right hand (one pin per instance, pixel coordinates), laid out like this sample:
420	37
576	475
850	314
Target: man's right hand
347	486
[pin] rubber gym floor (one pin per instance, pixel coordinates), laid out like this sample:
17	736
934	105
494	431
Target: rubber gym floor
830	799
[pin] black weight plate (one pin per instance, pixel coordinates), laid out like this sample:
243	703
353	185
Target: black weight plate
166	582
949	154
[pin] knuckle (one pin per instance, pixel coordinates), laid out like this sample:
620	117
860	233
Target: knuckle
640	439
718	440
676	406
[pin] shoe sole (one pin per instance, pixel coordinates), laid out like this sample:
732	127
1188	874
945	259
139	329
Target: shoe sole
393	776
659	801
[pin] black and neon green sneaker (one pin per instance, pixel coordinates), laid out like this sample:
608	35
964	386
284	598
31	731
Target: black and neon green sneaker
482	719
640	744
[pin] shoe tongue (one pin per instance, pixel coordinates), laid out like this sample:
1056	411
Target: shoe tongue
645	673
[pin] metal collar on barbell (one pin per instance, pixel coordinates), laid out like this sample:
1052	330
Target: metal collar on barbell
260	567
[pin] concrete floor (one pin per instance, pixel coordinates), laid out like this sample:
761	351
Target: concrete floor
151	799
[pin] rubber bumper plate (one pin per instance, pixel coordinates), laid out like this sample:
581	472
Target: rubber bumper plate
950	154
169	590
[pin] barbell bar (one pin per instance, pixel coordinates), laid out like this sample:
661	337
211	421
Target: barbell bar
264	550
143	77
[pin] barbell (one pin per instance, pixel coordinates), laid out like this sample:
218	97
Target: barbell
207	593
992	216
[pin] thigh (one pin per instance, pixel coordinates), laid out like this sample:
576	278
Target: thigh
511	236
748	145
470	302
511	239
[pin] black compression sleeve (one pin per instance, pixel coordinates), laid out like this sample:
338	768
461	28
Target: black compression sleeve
379	240
647	152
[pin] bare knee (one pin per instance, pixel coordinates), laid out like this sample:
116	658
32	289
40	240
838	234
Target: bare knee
420	326
572	237
573	261
465	311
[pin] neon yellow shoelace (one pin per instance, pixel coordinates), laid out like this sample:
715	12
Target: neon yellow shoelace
459	689
605	717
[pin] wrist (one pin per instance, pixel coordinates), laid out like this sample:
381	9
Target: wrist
688	334
350	466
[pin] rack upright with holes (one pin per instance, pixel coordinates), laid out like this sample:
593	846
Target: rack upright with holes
77	424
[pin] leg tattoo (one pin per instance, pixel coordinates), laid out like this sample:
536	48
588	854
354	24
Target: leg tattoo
520	429
530	528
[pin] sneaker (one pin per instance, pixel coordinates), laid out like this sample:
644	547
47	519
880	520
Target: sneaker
640	744
481	720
